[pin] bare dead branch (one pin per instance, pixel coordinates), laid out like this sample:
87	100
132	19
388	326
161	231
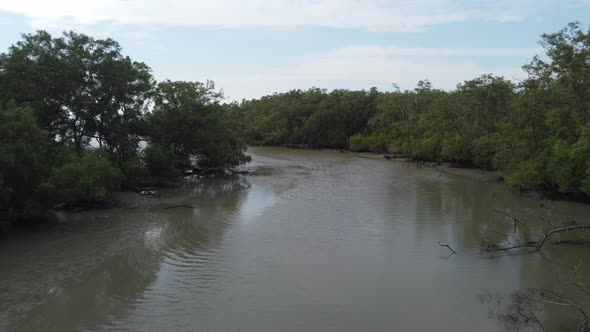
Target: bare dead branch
561	230
493	248
516	223
566	302
446	245
572	242
506	245
516	220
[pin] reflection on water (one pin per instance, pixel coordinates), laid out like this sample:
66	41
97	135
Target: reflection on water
310	241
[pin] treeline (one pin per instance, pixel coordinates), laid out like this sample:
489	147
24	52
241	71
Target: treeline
535	132
78	119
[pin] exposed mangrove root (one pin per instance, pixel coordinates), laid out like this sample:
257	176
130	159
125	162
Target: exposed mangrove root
392	156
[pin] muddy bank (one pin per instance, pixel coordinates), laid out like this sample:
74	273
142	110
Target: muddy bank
471	173
443	167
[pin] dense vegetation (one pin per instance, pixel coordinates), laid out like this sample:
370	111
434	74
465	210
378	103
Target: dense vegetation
78	119
535	132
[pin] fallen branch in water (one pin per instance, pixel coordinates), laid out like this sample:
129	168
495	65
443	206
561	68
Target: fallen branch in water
491	247
516	222
572	242
488	246
446	245
561	230
179	206
525	308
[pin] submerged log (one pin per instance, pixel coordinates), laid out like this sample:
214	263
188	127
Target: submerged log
179	206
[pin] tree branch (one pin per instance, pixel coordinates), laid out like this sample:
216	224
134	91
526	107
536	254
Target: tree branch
446	245
560	230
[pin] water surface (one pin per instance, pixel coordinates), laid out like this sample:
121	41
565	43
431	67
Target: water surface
312	241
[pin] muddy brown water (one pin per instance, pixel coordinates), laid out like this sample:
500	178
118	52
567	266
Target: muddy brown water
312	241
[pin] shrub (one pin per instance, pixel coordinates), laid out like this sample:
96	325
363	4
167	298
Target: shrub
372	143
88	178
160	161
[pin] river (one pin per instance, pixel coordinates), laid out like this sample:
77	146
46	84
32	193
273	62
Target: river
311	241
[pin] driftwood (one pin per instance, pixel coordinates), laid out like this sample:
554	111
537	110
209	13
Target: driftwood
523	309
446	245
539	244
179	206
561	230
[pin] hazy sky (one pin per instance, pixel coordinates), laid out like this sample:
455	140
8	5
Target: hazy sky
252	47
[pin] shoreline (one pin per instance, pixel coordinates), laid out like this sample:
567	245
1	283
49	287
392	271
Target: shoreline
476	174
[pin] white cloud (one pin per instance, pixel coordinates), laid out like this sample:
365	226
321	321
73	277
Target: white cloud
379	50
375	15
352	67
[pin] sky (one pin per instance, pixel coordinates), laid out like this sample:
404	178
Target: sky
252	48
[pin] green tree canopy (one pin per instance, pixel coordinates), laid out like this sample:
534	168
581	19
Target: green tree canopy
81	88
534	132
23	161
188	123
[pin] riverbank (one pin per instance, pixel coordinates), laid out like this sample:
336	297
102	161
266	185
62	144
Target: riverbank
478	174
447	168
444	167
471	173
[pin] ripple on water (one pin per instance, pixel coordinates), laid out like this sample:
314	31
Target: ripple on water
314	240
